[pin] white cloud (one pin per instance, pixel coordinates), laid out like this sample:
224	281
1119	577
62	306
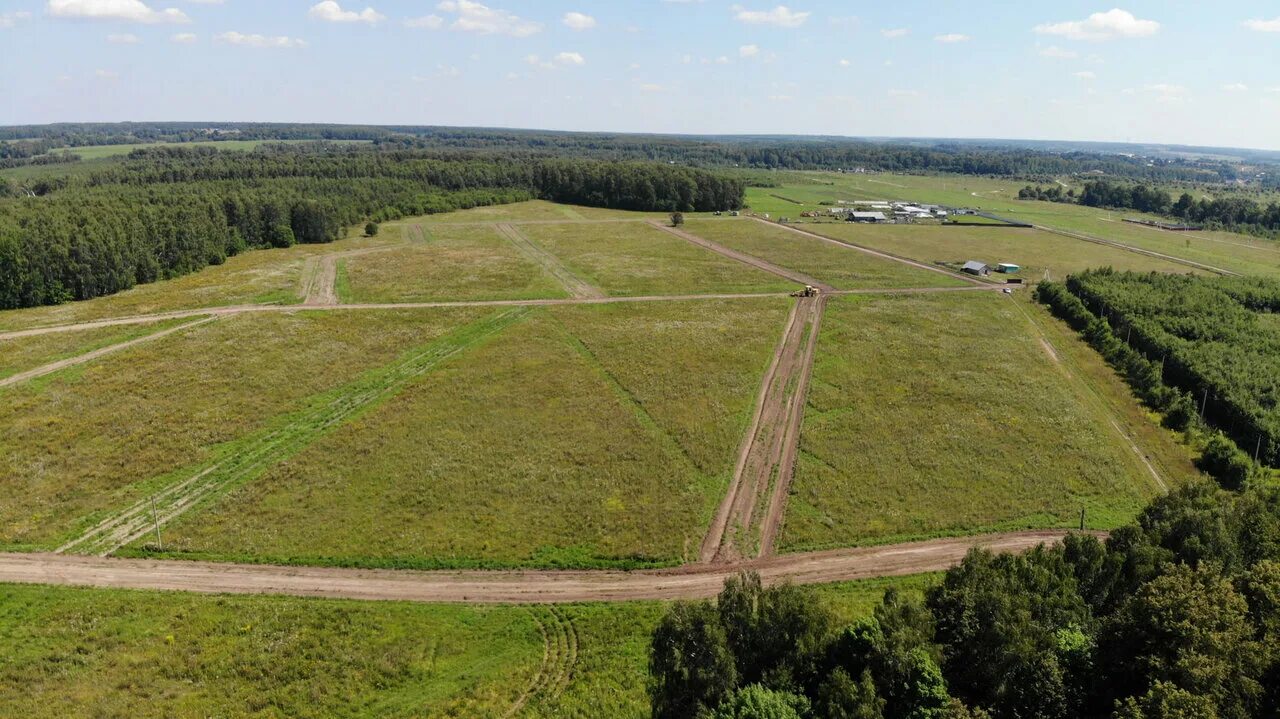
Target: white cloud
748	51
1057	52
1263	25
896	32
780	16
563	59
479	18
331	11
127	10
722	60
951	37
255	40
780	98
428	22
1085	75
578	21
1236	87
845	63
106	74
1109	25
1161	92
8	19
183	38
205	2
123	39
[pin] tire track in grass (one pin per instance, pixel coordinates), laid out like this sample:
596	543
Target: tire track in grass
246	459
559	657
574	285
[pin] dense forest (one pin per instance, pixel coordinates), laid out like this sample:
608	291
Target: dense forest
1213	340
1176	616
1239	214
167	211
767	152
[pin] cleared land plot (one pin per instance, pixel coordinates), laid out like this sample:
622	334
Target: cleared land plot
944	414
1033	250
845	269
581	436
26	353
534	211
455	263
103	652
272	276
97	437
627	259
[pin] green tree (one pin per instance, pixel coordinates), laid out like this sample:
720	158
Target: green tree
677	219
370	229
690	665
1166	701
757	702
840	697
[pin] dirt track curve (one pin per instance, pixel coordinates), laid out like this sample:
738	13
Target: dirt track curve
504	587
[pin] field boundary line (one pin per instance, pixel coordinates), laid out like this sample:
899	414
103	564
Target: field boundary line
1137	250
508	587
875	253
743	257
245	459
571	282
95	354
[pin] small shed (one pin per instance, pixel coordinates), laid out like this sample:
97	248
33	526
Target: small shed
1008	268
974	267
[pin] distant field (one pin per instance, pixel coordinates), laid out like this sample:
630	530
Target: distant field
1035	251
535	210
453	263
1231	251
631	258
581	436
944	414
840	267
94	437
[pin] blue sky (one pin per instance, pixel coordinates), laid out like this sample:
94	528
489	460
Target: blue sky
1176	72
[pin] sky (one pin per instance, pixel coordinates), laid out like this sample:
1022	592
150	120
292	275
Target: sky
1167	71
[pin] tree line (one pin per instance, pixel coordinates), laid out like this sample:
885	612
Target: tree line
1176	616
166	212
1239	214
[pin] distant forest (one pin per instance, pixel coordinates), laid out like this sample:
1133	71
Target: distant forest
1239	214
760	152
167	211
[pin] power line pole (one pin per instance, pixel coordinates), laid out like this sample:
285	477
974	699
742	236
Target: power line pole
1204	403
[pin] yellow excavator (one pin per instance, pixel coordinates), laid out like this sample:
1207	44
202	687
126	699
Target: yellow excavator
808	291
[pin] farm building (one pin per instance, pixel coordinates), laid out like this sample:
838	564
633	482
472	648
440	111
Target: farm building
866	217
1008	268
974	267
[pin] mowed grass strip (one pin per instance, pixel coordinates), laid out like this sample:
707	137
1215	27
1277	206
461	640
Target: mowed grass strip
1033	250
76	652
542	449
102	435
943	414
845	269
456	263
626	259
26	353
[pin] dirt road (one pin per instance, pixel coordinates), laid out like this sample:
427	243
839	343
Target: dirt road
768	450
503	587
797	277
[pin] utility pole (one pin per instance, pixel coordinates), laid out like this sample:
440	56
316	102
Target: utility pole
1082	519
1204	403
1257	448
155	517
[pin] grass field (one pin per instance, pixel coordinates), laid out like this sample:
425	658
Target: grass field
1035	251
584	436
26	353
632	258
94	652
455	263
944	414
255	277
844	269
536	211
91	438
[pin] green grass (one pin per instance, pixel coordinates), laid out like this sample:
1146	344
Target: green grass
73	652
27	353
1035	251
845	269
455	263
533	210
584	436
92	438
936	415
255	277
634	259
